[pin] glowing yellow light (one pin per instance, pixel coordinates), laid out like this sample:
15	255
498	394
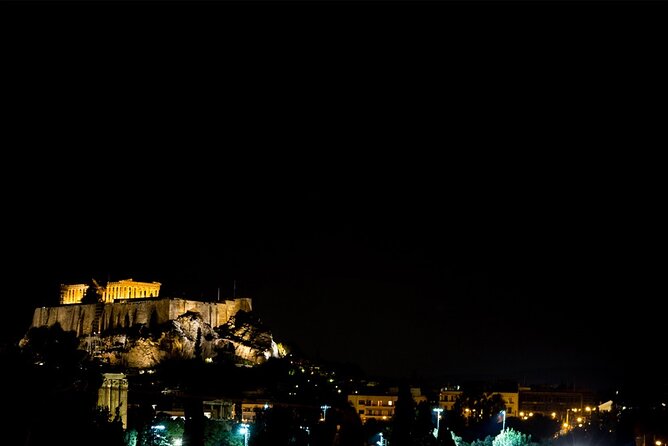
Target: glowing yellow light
521	414
531	414
658	443
579	419
565	424
554	414
588	409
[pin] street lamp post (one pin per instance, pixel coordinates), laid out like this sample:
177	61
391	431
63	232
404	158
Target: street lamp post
438	411
503	426
324	408
245	430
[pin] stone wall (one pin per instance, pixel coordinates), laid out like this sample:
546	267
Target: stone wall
75	317
81	317
213	313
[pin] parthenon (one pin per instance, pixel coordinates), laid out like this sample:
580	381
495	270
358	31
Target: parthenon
120	290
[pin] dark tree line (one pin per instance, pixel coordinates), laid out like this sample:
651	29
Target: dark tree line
53	397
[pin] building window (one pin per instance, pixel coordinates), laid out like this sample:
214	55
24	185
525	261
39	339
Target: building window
361	411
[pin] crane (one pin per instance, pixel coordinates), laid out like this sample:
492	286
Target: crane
99	288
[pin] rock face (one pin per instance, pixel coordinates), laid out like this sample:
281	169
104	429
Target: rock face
250	341
241	340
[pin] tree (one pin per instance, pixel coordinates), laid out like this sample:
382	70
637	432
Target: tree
198	344
193	434
486	442
423	429
511	437
404	417
351	432
92	296
153	322
221	433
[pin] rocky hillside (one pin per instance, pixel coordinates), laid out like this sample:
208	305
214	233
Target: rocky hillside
242	340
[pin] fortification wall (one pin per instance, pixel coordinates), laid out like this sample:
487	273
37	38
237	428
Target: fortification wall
214	313
76	317
80	317
127	314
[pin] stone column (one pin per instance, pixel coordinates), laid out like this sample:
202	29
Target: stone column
113	394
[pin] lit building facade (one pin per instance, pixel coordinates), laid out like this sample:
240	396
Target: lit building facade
249	410
512	401
448	396
557	404
379	407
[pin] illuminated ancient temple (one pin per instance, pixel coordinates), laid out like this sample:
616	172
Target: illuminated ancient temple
114	291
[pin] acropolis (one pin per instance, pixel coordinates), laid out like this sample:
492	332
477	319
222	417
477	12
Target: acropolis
125	303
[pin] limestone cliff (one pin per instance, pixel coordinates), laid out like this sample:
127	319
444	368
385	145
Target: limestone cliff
241	340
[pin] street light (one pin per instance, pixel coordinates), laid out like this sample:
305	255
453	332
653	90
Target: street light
382	441
438	411
324	408
245	430
503	426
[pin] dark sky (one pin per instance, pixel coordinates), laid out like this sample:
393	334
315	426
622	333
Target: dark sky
426	267
505	221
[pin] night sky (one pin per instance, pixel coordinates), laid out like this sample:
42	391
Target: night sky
427	268
505	223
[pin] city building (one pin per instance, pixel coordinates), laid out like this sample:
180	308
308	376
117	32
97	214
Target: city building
564	405
380	407
448	396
